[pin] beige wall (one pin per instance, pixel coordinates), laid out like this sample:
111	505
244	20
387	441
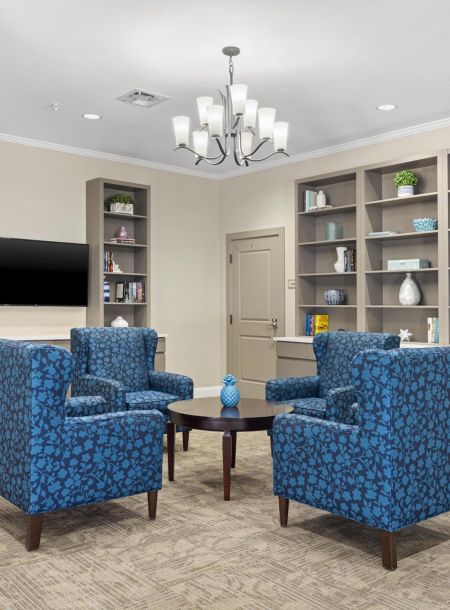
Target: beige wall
265	199
43	197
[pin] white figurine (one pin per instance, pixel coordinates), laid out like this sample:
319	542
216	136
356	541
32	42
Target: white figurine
119	322
404	334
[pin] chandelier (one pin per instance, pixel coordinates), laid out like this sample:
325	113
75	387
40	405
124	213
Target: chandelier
231	123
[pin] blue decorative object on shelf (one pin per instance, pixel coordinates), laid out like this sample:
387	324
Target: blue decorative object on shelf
333	230
425	224
230	394
334	296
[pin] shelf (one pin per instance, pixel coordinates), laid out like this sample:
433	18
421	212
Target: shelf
328	274
111	274
411	235
128	216
329	242
324	306
114	245
380	271
401	200
402	307
120	304
336	210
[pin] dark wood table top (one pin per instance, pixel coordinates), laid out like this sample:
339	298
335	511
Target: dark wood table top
209	414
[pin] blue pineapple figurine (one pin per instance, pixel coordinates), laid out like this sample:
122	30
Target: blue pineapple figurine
230	394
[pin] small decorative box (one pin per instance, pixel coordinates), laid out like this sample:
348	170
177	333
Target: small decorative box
121	208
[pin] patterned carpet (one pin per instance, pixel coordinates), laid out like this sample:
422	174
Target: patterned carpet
204	553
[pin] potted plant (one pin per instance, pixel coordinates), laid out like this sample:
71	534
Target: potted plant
405	181
121	204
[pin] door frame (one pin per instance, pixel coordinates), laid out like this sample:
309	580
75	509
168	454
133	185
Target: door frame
255	234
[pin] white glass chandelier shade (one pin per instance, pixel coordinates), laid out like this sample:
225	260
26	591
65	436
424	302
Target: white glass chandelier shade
181	128
200	139
280	134
266	118
202	105
250	114
215	120
238	98
246	142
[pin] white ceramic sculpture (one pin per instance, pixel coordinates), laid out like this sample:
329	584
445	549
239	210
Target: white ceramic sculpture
119	322
409	293
321	199
339	265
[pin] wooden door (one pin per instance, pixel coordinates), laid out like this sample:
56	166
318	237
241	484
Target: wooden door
256	307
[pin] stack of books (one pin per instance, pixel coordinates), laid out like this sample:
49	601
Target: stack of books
108	262
349	260
122	240
433	330
315	324
130	292
310	200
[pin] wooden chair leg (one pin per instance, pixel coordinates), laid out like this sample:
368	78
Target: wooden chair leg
34	529
388	550
283	505
271	444
171	450
152	497
185	440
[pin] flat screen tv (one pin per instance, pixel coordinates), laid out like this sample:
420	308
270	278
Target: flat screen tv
43	273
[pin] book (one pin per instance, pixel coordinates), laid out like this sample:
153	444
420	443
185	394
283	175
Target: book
106	292
122	240
310	199
315	324
407	264
433	330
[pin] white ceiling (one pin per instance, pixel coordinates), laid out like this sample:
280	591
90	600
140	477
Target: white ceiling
324	66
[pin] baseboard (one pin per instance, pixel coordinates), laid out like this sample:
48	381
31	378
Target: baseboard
206	392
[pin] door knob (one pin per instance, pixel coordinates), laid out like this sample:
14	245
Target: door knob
274	322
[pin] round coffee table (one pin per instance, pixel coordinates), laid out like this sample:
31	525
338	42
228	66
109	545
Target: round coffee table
208	414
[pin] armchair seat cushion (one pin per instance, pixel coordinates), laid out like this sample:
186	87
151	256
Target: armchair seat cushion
149	399
314	407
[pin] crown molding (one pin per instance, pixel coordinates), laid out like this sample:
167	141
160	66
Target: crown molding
97	154
337	148
234	173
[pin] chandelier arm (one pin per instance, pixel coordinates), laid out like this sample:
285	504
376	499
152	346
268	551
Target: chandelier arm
237	160
197	155
218	162
256	149
277	152
221	148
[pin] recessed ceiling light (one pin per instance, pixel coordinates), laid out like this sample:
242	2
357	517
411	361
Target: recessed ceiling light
91	116
386	107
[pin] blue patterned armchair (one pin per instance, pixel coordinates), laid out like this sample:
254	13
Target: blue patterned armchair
390	471
49	461
329	394
118	365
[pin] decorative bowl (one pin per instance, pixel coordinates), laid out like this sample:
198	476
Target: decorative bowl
425	224
334	296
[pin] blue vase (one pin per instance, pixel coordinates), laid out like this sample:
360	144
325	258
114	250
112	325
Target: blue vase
230	394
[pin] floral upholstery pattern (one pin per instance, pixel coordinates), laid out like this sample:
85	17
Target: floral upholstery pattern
85	405
50	461
118	364
391	470
334	352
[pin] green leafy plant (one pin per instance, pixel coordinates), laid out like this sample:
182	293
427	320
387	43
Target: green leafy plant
120	199
405	178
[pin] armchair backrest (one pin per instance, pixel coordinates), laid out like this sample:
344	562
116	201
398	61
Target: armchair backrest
122	354
404	399
33	384
335	351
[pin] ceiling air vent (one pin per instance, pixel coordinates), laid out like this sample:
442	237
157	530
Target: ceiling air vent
142	98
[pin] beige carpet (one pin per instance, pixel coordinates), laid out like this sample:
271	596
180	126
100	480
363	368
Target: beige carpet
202	552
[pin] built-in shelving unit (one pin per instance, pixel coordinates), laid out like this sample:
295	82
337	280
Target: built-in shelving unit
365	200
133	259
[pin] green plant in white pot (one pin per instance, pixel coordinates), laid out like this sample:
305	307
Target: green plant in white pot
405	181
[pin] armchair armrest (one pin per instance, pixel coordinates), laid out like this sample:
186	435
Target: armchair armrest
341	405
109	389
82	406
172	383
290	388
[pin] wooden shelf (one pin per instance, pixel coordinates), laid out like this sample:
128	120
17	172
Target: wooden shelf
410	235
127	216
382	271
418	307
110	274
121	304
336	210
328	274
324	306
329	242
115	245
402	200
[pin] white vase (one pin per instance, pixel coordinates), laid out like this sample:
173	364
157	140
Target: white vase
339	265
409	293
321	199
405	191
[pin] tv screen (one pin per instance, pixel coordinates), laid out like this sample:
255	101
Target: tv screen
43	273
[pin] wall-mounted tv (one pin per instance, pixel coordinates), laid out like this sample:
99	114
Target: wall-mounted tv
43	273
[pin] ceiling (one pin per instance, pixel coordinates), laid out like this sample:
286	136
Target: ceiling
324	65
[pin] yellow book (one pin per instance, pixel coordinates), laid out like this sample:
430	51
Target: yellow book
320	323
